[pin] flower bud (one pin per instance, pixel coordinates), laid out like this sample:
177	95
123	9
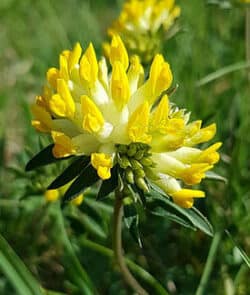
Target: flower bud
136	164
140	182
139	155
132	150
129	175
146	162
124	162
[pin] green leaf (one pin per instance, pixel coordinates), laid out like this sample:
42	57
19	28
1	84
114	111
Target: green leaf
131	219
87	178
222	72
162	212
242	253
215	176
108	186
13	267
161	205
71	172
44	157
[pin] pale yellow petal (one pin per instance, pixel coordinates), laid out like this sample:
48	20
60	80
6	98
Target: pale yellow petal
138	124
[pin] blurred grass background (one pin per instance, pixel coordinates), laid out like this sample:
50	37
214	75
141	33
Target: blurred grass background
32	34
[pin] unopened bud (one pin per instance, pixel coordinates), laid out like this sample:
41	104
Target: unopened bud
122	149
136	164
124	162
139	173
146	162
140	182
139	155
129	175
132	150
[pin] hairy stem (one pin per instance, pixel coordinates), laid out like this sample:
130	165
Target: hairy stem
117	244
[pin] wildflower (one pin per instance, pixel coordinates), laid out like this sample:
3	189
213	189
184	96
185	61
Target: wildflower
143	25
119	119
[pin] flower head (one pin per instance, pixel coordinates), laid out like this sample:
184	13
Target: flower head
143	25
118	117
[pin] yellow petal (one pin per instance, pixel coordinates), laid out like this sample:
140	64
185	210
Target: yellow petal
195	173
188	193
203	135
138	124
102	163
106	49
63	91
185	197
210	155
57	105
160	116
160	77
135	74
42	121
74	56
89	66
63	145
52	195
118	52
52	76
78	200
64	71
119	85
92	116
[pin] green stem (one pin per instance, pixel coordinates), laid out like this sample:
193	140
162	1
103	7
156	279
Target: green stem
117	244
75	268
142	273
209	264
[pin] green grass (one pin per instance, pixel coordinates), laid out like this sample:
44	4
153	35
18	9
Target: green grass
32	34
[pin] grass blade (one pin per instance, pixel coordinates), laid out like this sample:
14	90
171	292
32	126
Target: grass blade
13	267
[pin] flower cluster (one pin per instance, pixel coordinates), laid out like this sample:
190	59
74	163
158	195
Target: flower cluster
143	25
117	117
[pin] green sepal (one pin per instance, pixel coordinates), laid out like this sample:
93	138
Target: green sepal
131	219
108	186
44	157
161	205
71	172
140	193
87	178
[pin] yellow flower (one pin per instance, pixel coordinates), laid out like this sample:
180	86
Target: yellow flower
55	194
143	25
123	117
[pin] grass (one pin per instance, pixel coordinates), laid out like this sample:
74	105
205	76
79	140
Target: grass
211	41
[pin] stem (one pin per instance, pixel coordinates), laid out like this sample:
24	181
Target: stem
248	37
209	264
117	244
138	270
